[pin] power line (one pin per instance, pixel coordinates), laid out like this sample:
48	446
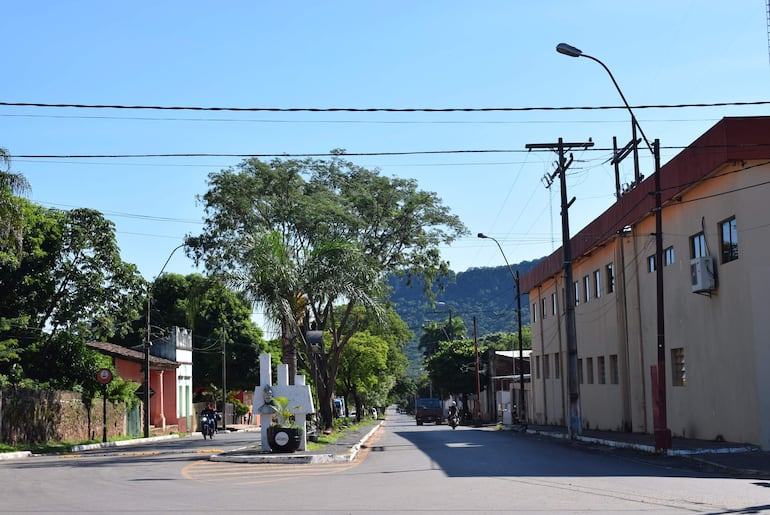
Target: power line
349	154
376	109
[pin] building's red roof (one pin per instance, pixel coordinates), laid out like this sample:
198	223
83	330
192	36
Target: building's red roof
729	140
112	349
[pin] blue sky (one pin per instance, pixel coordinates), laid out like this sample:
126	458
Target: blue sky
394	54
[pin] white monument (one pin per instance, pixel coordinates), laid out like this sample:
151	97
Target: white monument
298	394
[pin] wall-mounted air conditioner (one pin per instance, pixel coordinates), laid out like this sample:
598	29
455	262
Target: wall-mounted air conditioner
702	277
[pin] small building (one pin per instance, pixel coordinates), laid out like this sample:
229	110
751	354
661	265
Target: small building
170	377
716	289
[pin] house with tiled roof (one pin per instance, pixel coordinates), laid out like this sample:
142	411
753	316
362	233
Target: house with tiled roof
170	359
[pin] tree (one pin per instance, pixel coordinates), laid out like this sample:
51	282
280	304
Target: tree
452	367
362	374
256	237
363	364
11	219
305	246
70	281
435	332
507	341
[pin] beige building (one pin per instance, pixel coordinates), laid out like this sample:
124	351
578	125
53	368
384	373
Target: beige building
716	297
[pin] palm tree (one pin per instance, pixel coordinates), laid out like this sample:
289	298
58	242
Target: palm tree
271	279
11	219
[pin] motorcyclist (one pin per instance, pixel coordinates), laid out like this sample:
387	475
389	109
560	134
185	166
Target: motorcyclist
211	414
452	409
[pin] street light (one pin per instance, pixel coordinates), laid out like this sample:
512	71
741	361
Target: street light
147	345
520	412
661	430
564	48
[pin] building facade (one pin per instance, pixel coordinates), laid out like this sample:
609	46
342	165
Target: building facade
716	293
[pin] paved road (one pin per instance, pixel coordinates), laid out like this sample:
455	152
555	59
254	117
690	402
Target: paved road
403	469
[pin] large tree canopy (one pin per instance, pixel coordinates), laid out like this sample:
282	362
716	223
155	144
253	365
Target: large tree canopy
307	236
69	286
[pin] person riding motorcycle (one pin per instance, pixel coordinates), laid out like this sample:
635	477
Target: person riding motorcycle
211	415
453	418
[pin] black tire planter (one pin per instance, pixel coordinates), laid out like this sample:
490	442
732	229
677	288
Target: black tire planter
284	439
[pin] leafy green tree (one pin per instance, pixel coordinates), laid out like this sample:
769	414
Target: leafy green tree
363	366
11	218
70	286
435	332
256	237
452	369
359	375
507	341
302	246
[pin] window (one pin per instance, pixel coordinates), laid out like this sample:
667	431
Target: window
547	366
651	263
729	245
586	288
697	245
553	303
537	366
590	370
668	256
610	277
580	370
557	365
542	308
597	284
614	370
576	286
601	371
678	369
534	313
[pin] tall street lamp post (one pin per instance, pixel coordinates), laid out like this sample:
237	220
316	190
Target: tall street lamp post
147	345
521	413
659	413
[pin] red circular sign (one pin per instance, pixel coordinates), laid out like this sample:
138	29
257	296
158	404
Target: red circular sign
104	375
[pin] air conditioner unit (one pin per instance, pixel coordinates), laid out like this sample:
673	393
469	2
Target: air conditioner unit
702	277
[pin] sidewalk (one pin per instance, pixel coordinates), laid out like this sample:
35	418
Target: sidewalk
733	458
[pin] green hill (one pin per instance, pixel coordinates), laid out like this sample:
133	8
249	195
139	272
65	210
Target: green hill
489	294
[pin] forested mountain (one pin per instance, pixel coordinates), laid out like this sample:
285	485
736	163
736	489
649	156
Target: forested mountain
489	294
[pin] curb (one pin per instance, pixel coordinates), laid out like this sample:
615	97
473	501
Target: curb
691	454
121	443
15	455
298	458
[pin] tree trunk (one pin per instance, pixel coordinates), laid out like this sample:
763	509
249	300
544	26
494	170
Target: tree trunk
288	349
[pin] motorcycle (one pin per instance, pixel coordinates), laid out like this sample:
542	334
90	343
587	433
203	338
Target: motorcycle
208	426
454	420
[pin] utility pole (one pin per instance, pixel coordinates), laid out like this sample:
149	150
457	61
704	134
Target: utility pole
575	421
660	422
522	409
478	379
146	381
224	381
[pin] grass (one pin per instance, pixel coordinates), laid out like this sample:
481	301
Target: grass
324	439
55	447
